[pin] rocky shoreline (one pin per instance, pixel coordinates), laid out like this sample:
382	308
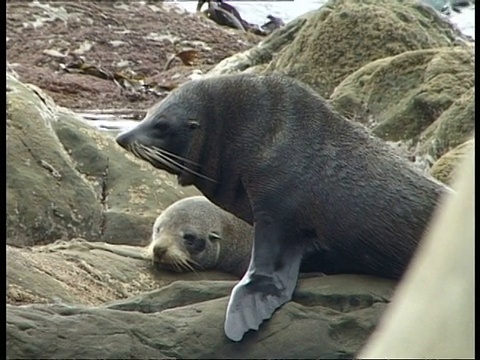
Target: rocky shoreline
80	210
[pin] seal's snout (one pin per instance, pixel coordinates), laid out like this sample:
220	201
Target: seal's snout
124	139
159	252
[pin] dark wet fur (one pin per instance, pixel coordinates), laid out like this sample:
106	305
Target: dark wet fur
315	185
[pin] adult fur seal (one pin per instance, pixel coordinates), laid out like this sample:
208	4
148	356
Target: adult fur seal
193	233
432	314
223	14
271	151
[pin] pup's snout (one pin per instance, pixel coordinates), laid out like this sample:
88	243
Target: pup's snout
159	252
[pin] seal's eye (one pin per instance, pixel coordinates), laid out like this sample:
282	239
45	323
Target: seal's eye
192	124
193	243
162	127
189	239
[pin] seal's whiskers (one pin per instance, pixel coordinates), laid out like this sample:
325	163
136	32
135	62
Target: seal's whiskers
186	265
170	154
145	153
161	156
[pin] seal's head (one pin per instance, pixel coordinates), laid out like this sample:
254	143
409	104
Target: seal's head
186	236
164	136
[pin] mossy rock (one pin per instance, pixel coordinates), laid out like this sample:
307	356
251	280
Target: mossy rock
455	126
66	179
344	35
401	96
444	168
256	59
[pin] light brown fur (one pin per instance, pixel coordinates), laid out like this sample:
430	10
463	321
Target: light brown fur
229	252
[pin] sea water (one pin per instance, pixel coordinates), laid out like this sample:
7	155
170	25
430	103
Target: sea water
256	12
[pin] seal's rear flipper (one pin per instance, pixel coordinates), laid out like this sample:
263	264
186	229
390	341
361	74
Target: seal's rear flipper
268	283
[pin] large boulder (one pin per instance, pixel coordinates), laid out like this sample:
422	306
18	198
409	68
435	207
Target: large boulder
344	35
66	179
330	317
258	57
46	197
452	128
445	168
401	96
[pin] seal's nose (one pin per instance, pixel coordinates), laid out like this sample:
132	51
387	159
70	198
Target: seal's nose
159	252
124	139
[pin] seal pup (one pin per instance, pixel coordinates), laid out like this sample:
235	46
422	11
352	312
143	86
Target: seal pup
273	153
193	233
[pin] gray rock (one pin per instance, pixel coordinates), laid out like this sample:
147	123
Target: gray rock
89	273
330	318
66	179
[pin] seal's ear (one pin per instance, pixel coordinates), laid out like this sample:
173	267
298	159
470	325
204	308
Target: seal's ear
213	236
192	124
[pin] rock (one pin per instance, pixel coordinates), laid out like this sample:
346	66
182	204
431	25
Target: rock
141	38
330	318
455	126
401	96
438	287
46	197
260	55
444	169
89	273
344	35
66	179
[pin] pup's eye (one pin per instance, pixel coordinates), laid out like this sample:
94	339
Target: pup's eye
192	124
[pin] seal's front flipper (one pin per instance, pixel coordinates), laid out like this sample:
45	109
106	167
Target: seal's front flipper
268	283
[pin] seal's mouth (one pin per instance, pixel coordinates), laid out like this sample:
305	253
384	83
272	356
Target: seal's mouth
179	263
166	160
145	149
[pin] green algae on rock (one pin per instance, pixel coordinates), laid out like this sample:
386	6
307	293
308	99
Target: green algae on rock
445	168
344	35
455	126
401	96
